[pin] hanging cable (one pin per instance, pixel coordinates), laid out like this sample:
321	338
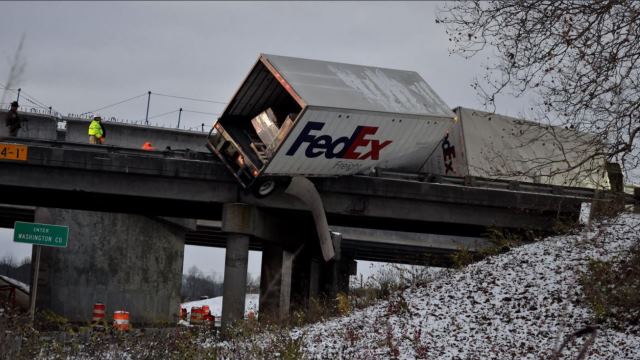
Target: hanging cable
34	101
192	99
200	112
163	114
114	104
33	98
30	98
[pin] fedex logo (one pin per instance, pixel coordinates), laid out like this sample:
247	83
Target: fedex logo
355	147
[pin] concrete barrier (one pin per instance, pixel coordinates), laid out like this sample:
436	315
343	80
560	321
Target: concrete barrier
36	126
134	136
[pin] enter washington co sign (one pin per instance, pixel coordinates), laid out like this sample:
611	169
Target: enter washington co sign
40	234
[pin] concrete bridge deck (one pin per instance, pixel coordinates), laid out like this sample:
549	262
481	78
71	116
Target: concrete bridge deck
194	185
392	217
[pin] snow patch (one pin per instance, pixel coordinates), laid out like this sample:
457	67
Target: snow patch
19	284
251	303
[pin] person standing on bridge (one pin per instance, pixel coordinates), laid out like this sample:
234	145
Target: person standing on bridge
13	120
96	131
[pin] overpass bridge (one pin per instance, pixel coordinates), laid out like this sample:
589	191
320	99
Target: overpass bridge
402	208
389	217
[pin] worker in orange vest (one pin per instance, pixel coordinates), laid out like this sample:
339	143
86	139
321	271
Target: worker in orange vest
147	146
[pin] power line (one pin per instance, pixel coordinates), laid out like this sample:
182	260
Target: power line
190	98
163	114
114	104
33	99
200	112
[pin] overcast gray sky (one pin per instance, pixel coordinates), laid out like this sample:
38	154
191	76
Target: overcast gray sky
81	56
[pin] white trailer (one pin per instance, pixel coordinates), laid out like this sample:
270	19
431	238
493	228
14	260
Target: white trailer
490	145
295	116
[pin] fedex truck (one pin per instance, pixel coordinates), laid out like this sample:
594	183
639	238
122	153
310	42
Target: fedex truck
294	116
488	145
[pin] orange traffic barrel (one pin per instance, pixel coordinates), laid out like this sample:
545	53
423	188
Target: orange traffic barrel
121	320
98	312
197	315
208	319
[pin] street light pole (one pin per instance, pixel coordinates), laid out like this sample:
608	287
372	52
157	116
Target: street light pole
179	116
146	118
18	98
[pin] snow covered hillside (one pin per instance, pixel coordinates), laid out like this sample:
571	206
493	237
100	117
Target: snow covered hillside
519	305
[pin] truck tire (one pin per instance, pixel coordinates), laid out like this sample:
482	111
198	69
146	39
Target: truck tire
267	186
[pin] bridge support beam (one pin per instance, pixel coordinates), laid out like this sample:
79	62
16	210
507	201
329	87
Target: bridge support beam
128	262
337	270
275	282
235	279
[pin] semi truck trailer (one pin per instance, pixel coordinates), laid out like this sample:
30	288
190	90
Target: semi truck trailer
494	146
301	117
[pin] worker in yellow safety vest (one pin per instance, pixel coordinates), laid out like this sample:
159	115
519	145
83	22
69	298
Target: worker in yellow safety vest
96	131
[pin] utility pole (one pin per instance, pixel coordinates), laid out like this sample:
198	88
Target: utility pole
179	115
146	118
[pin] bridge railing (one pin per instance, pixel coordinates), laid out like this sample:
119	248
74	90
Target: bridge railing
38	124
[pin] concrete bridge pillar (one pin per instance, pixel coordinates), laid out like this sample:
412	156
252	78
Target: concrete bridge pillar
238	220
337	271
128	262
275	282
315	279
235	278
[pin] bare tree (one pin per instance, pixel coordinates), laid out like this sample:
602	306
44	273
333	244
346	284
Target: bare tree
17	66
195	284
579	59
253	284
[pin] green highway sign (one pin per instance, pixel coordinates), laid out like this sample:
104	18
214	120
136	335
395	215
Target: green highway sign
41	234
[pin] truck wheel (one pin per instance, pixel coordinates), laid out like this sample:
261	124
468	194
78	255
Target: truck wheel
265	187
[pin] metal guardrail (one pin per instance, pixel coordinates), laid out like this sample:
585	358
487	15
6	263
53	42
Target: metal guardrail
62	119
178	153
474	182
500	184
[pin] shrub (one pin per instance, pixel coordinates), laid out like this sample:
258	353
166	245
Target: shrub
612	289
344	305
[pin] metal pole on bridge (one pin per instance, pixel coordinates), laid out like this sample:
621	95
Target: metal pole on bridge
18	98
179	116
146	118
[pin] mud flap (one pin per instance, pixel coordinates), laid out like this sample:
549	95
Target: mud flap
304	190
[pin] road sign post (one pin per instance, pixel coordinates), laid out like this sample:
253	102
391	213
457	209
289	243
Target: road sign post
34	284
39	235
